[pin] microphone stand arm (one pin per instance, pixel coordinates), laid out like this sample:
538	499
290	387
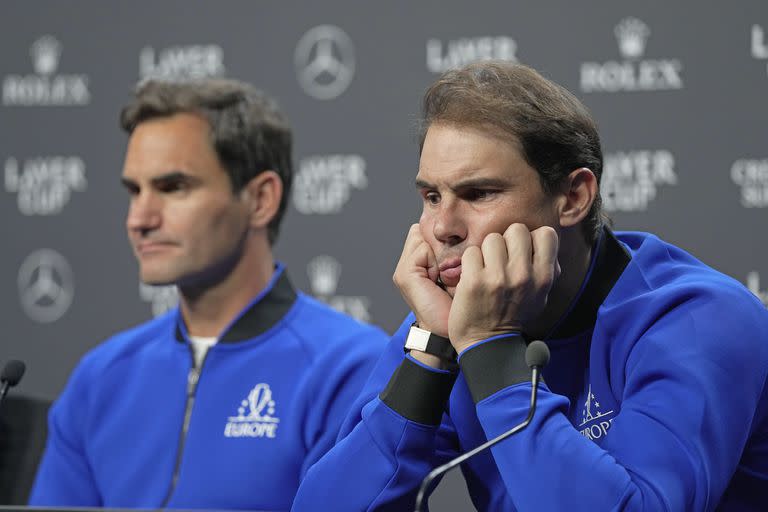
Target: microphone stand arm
458	460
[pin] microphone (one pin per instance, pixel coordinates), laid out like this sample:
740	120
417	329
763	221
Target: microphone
12	373
536	357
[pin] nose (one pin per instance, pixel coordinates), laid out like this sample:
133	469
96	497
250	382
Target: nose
144	213
449	226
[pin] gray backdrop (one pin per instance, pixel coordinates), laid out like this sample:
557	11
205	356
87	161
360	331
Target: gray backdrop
680	91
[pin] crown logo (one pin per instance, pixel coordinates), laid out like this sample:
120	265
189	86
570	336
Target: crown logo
631	34
45	54
162	298
323	274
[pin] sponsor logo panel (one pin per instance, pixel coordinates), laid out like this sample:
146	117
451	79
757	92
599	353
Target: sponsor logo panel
633	72
324	274
46	286
45	86
324	59
324	183
631	179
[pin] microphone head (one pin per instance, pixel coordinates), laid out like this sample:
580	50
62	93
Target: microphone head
537	354
12	372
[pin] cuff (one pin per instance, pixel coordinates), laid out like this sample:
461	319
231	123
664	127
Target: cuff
495	364
418	393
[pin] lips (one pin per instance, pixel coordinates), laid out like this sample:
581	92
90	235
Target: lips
450	271
149	248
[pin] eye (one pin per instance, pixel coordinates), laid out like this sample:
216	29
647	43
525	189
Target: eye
132	189
479	194
171	186
432	197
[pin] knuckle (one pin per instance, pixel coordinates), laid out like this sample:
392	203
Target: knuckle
545	234
520	279
492	238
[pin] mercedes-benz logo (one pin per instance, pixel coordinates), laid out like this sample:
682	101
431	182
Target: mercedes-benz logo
325	62
46	286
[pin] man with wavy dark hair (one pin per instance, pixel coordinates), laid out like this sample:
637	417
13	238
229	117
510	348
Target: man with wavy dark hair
655	397
227	400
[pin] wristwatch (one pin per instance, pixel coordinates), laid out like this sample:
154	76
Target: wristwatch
430	343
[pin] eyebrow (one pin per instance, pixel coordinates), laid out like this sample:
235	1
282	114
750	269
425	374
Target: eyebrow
170	177
468	183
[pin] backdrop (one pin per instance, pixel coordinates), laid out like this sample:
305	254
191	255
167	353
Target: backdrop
679	89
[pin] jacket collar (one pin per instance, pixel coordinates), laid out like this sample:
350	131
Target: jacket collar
609	259
264	311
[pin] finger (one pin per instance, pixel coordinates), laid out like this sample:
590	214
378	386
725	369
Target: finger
471	261
413	239
545	249
433	271
494	252
519	248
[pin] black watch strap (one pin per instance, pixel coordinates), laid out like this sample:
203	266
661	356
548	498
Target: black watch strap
430	343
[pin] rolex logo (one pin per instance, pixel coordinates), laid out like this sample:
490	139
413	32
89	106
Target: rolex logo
45	54
324	274
632	34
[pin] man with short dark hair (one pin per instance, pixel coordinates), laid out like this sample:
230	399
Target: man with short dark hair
227	400
655	397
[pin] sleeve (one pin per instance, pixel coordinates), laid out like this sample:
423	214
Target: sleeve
676	442
388	442
338	377
64	476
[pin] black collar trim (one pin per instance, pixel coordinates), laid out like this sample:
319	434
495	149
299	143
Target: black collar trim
607	266
259	317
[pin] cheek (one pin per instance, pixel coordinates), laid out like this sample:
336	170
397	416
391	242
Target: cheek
487	223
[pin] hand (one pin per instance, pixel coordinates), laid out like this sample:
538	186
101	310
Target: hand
416	278
504	284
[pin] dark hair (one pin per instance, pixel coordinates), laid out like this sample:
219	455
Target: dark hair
553	129
248	132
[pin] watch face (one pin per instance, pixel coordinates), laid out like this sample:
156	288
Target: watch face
417	339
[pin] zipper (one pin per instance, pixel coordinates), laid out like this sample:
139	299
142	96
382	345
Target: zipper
193	377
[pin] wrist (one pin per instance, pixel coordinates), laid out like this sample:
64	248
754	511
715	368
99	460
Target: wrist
464	343
431	361
430	349
427	326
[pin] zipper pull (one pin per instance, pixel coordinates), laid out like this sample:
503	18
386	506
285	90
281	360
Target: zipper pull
192	378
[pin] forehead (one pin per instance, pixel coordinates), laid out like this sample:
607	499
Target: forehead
180	142
453	152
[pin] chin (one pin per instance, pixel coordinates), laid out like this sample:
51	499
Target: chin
157	279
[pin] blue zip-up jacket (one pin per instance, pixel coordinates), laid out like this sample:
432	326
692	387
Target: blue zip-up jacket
654	400
138	426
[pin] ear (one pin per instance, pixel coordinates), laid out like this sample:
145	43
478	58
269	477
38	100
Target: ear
579	190
262	195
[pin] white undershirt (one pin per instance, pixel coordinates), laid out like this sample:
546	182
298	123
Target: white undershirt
200	346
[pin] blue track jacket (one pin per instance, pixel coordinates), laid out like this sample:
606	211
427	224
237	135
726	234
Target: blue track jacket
654	400
138	426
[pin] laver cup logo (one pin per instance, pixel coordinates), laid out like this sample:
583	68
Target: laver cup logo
44	185
324	183
442	56
46	87
631	179
182	62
